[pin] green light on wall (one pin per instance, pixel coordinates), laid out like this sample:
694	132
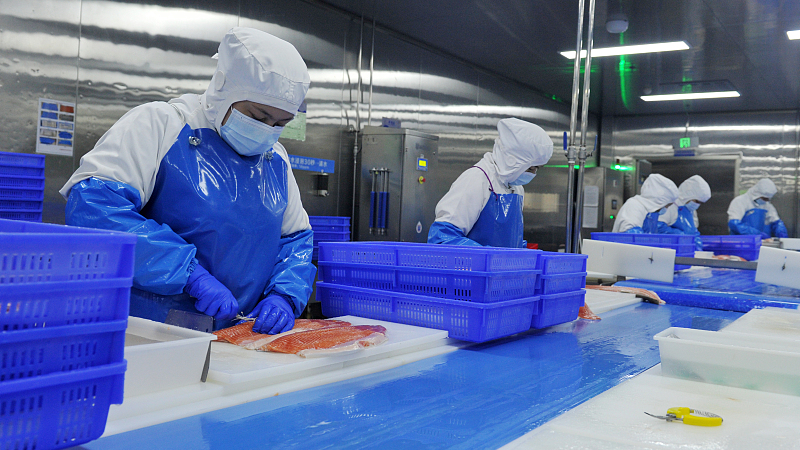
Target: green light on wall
621	168
610	217
686	142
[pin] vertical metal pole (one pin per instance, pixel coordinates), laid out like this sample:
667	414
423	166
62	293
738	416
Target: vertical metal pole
573	118
587	73
357	133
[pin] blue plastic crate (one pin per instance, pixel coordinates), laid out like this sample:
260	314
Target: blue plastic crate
41	351
21	159
645	239
745	246
434	256
54	275
468	321
59	410
20	205
28	216
552	263
554	309
21	171
328	220
11	193
482	287
331	236
22	182
562	282
329	228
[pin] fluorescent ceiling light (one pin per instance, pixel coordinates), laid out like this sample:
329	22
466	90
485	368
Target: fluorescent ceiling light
632	49
690	96
794	34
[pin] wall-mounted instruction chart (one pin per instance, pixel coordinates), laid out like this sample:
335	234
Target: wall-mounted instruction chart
56	128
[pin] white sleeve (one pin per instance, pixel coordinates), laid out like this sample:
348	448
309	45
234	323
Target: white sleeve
632	214
295	217
670	216
463	203
772	213
738	207
132	149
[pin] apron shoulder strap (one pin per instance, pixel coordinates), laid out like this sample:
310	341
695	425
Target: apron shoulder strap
491	187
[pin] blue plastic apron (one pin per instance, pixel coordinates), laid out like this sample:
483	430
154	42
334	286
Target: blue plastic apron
650	224
229	206
756	218
500	222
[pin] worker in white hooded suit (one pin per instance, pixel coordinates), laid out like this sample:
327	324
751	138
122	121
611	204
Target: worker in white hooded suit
640	213
681	216
207	188
484	204
752	212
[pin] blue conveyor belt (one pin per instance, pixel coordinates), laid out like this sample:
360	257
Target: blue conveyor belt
725	289
483	396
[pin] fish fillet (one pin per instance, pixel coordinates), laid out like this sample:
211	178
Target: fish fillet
244	336
586	313
332	339
647	295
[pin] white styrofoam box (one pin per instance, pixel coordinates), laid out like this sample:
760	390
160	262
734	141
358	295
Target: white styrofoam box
776	266
749	361
776	322
163	356
790	243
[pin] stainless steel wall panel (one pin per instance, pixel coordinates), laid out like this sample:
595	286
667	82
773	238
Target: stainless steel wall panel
766	142
38	58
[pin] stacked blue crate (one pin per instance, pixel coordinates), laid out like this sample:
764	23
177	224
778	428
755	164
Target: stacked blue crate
744	246
329	229
560	288
475	293
683	244
21	186
65	293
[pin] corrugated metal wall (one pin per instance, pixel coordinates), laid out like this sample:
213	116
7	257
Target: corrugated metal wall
766	143
109	56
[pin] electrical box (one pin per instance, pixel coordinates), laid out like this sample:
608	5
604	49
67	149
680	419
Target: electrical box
397	199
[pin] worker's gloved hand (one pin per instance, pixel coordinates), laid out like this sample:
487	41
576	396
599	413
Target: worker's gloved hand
213	298
778	229
273	315
737	227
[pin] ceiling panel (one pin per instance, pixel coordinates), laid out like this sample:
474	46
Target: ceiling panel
741	41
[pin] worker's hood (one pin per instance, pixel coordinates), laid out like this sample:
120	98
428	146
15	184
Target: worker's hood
764	188
520	146
658	191
694	188
255	66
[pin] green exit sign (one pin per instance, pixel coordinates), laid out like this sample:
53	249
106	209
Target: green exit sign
685	143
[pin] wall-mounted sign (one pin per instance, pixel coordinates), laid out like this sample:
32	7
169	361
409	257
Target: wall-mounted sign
312	164
296	128
685	146
56	127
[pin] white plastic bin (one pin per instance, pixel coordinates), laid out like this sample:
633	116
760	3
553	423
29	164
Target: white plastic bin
741	360
163	356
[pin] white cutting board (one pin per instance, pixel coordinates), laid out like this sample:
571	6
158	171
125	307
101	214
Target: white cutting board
231	364
638	261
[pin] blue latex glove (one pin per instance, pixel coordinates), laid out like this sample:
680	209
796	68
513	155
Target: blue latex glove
663	228
737	227
213	298
778	229
273	315
447	233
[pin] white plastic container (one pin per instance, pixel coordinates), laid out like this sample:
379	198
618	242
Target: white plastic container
163	356
749	361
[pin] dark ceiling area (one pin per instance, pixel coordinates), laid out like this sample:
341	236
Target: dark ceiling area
738	43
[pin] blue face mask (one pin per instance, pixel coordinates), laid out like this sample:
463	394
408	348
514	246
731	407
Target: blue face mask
760	202
248	136
523	179
692	206
662	211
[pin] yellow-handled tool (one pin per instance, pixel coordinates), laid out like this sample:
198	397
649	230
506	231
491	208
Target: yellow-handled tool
690	417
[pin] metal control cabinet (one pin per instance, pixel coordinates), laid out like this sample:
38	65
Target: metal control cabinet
408	160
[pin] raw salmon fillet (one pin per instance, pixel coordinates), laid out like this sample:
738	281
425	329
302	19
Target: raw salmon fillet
244	336
586	313
332	339
647	295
